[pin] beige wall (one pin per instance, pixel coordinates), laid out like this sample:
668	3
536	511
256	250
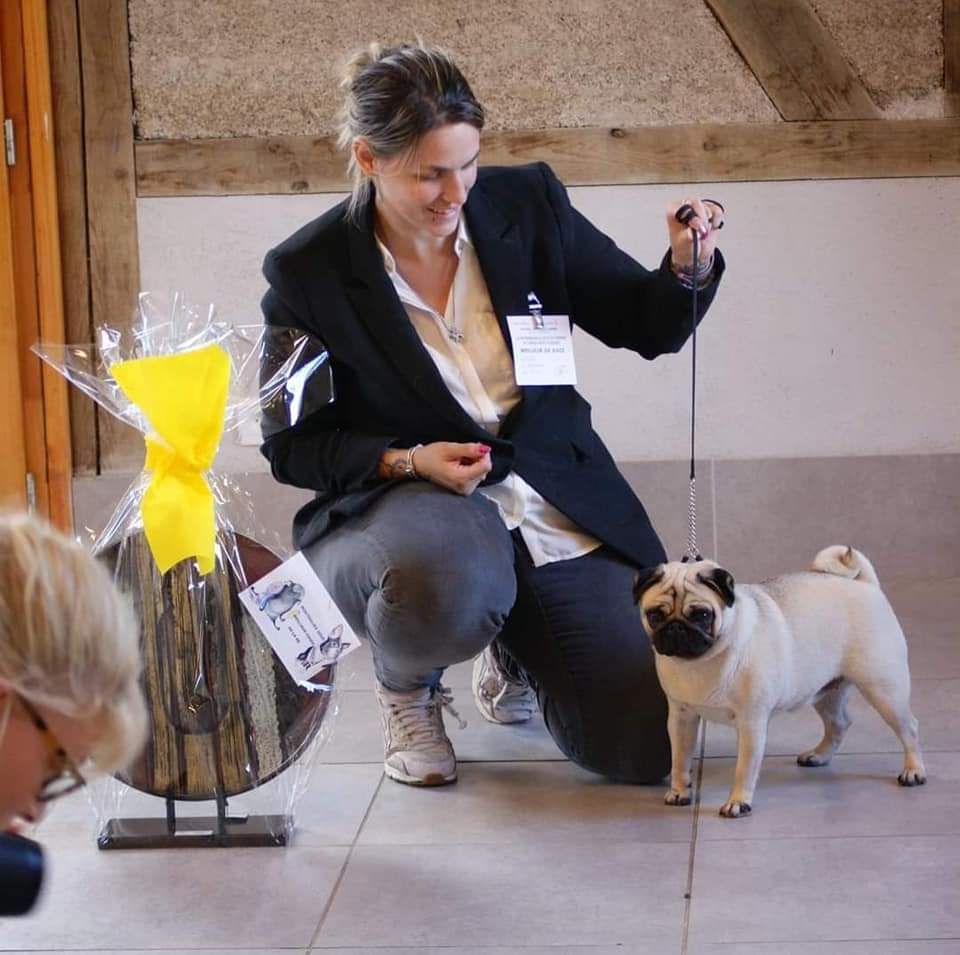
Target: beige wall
835	332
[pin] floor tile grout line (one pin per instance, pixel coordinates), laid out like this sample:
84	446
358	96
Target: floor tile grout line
688	891
586	946
468	761
733	755
588	843
829	941
808	838
343	868
858	752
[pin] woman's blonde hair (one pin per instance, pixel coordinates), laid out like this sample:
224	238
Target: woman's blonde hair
69	638
394	96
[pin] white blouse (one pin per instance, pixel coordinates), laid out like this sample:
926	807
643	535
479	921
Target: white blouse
479	373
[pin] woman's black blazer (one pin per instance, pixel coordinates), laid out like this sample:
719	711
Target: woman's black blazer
329	279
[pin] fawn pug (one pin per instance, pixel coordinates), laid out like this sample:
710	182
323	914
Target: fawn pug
739	653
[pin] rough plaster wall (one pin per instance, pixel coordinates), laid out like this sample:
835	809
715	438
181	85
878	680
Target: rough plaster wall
897	48
254	68
257	68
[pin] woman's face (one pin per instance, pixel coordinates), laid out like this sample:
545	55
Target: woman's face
422	194
27	760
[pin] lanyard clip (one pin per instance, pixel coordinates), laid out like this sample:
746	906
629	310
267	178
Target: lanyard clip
536	310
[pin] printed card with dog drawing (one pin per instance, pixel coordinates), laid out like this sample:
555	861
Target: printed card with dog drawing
299	618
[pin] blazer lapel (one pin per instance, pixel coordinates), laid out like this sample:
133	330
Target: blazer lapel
506	268
381	311
502	261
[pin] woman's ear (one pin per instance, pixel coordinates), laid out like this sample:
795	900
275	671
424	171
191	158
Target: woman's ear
363	154
6	709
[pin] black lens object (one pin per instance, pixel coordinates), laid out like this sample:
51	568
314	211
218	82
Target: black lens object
21	874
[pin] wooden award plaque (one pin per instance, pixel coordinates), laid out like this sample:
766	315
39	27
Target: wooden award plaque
225	714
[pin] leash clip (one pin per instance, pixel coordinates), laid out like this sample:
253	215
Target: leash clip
536	310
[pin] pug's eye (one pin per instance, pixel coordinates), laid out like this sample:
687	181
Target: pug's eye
655	616
701	615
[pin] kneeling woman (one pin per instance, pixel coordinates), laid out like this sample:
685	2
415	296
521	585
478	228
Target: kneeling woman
457	513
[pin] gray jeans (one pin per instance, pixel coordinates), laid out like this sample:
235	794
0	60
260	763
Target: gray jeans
430	578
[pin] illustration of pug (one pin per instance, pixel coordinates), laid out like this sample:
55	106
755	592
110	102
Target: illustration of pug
326	652
739	653
279	600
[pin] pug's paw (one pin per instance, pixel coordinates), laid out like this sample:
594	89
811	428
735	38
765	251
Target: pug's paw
813	758
912	777
735	809
676	798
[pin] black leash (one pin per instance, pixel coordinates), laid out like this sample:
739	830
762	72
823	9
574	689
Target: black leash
684	214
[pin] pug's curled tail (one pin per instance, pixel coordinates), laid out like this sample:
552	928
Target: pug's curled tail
845	562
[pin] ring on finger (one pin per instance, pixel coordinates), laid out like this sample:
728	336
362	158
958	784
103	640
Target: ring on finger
715	216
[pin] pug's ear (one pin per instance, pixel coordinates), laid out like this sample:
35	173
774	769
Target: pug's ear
722	582
645	579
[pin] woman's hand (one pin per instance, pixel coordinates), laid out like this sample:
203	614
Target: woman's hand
708	220
457	467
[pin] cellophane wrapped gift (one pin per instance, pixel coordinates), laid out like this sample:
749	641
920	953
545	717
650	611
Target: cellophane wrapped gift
233	736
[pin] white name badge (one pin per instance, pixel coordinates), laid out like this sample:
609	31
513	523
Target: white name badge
299	618
542	350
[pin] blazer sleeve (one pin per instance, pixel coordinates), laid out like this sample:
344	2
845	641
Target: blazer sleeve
315	453
613	297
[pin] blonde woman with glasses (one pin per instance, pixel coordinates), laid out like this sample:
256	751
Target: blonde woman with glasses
70	699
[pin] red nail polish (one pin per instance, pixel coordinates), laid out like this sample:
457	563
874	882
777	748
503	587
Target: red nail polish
485	448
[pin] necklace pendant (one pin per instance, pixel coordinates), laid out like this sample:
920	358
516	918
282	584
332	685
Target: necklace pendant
455	335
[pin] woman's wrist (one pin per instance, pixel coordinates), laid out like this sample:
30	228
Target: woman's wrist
688	275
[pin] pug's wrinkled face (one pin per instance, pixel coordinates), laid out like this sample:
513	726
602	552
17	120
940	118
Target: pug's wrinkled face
682	606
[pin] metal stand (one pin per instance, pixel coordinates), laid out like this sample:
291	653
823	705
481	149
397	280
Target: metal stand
222	831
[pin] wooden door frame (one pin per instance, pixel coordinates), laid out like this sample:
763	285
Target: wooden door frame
38	444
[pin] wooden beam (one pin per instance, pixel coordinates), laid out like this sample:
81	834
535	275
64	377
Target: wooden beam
951	57
43	176
72	203
701	153
237	167
111	198
800	66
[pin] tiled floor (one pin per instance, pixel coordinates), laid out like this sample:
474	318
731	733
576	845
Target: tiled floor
528	854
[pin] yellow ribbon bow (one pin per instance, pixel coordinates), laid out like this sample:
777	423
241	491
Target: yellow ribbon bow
184	397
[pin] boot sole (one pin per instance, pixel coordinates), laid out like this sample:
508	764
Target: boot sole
432	779
491	719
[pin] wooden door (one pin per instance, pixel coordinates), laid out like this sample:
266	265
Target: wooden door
35	458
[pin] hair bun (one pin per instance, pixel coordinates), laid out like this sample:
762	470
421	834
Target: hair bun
359	61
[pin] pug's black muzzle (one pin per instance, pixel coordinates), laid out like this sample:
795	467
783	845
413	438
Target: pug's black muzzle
678	639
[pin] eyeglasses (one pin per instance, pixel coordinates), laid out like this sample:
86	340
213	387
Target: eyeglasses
64	777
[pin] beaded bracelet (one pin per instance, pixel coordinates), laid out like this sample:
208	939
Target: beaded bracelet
409	469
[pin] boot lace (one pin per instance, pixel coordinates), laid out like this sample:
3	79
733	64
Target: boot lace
417	722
